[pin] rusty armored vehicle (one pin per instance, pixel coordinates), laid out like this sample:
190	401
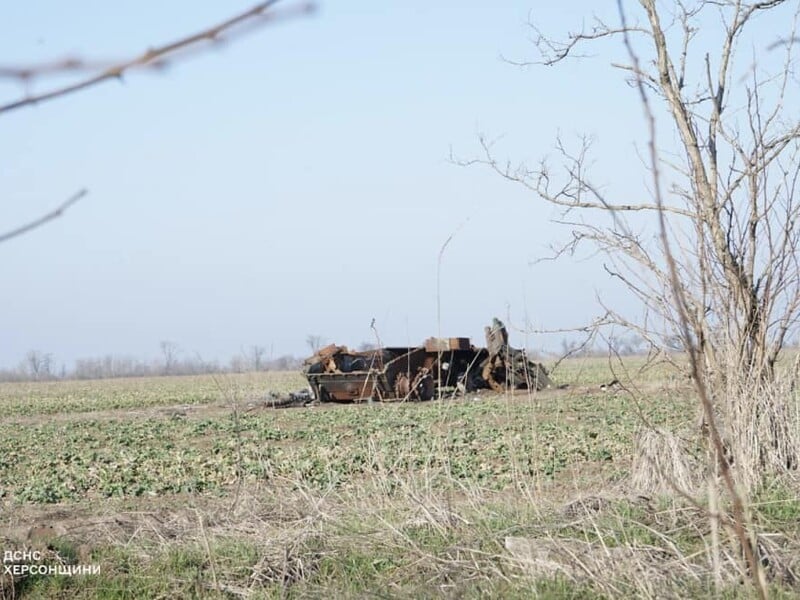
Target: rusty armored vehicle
337	374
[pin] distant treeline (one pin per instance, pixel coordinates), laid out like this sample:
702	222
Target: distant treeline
42	366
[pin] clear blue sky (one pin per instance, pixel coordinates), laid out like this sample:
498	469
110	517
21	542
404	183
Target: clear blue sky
296	181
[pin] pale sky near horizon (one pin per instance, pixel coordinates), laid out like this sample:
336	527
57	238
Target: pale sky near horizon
298	180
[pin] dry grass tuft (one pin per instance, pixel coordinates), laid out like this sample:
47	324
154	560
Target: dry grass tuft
760	424
663	464
614	568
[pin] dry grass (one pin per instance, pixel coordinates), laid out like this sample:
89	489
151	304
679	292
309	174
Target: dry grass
289	540
664	464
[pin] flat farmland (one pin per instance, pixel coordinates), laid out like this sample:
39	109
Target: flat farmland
195	487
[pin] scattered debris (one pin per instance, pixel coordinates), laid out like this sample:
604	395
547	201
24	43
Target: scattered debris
586	506
610	386
274	400
591	505
176	412
336	373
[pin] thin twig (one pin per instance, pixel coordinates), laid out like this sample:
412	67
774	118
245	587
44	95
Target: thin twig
439	301
152	58
60	210
208	549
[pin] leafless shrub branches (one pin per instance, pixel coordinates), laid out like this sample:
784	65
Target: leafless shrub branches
553	51
719	267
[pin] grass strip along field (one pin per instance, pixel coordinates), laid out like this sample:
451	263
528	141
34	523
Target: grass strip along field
182	487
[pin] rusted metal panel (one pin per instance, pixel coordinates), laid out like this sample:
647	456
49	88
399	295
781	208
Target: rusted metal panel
345	387
374	379
445	344
410	366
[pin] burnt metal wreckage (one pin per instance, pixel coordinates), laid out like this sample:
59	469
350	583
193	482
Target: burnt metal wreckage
336	374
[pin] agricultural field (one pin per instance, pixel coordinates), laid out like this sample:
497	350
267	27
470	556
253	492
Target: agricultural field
194	487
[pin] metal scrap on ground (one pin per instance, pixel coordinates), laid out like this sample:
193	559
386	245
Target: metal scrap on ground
337	374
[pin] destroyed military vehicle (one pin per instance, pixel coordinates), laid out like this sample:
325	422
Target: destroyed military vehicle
337	374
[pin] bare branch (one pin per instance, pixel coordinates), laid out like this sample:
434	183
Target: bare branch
681	303
4	237
58	67
721	265
554	51
156	57
572	194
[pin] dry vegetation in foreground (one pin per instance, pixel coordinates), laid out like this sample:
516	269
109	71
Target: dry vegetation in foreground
190	487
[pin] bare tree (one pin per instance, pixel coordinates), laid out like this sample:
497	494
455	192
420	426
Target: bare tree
718	269
39	364
238	364
314	342
285	363
257	357
169	351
